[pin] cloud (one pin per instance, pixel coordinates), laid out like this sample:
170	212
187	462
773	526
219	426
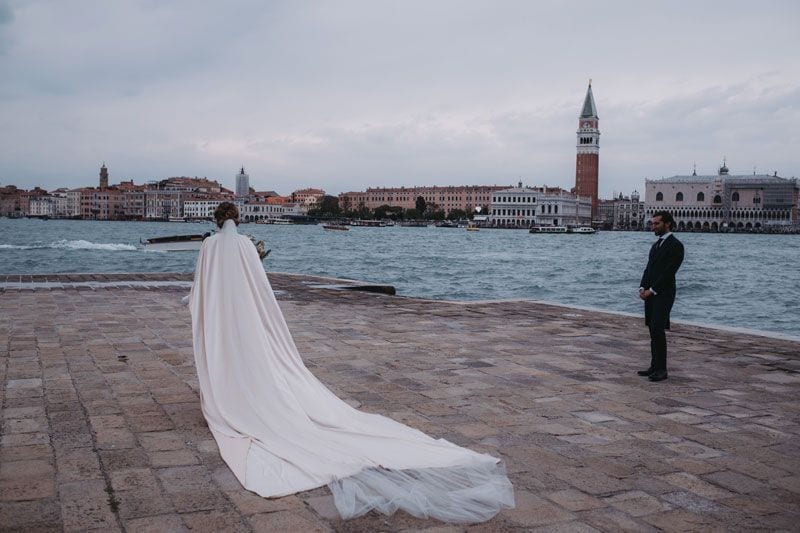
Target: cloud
357	94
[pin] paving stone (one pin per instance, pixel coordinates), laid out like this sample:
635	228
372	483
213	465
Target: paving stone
85	505
75	464
532	510
215	521
609	519
694	484
173	458
288	521
167	523
142	502
735	482
587	445
679	520
30	515
133	478
250	503
637	503
575	500
23	488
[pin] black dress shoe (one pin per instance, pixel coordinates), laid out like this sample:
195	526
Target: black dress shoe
659	375
645	372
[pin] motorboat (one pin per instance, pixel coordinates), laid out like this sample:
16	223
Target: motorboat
581	230
472	226
174	243
335	227
446	224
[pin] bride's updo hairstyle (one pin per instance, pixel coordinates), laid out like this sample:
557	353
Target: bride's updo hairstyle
226	211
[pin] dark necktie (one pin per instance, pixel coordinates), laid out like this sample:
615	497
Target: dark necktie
659	242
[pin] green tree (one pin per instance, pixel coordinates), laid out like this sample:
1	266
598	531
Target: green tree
328	206
438	214
387	211
421	205
412	214
456	214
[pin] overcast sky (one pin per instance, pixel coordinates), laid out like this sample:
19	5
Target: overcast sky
345	95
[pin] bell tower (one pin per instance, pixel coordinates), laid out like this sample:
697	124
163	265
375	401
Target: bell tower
587	163
103	177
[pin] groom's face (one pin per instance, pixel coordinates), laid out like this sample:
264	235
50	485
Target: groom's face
659	226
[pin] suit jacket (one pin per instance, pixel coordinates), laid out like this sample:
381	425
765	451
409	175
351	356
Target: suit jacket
659	275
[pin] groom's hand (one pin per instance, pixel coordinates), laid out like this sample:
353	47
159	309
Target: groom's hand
644	293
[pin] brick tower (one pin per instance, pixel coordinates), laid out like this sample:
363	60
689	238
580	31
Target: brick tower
587	164
103	177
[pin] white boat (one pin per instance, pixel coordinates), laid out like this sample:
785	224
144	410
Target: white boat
548	229
174	243
582	230
282	222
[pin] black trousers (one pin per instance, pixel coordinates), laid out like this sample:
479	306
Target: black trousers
657	309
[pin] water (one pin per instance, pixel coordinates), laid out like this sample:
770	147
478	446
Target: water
748	281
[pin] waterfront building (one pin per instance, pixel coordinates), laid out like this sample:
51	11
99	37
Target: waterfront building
724	201
524	206
448	198
9	201
42	206
253	211
107	204
514	207
622	212
202	206
587	162
60	200
74	203
308	197
163	204
189	184
242	184
133	200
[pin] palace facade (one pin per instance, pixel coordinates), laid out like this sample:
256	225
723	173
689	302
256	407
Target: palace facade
724	202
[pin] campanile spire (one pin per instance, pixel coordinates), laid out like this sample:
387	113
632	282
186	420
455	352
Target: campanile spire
588	147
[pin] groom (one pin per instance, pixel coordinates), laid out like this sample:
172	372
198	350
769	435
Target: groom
657	289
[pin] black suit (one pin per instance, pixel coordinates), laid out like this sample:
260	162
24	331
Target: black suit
659	275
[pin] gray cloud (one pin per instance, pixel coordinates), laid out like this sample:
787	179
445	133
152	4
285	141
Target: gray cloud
347	95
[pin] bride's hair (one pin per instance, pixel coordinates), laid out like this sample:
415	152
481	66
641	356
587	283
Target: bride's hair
226	211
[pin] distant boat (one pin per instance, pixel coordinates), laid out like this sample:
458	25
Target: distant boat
447	224
548	229
175	243
582	230
335	227
176	219
282	222
472	226
369	223
414	224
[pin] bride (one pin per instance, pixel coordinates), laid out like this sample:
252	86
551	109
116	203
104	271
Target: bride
281	431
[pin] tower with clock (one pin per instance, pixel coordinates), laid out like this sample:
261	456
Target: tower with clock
587	163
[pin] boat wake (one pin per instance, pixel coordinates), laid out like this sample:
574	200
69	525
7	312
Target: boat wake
72	245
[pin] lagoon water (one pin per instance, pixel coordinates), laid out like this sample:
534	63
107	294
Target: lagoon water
748	281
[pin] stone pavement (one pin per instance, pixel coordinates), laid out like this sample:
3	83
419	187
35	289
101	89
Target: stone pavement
102	429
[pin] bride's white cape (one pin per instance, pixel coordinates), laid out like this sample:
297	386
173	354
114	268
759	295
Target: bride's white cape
281	431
